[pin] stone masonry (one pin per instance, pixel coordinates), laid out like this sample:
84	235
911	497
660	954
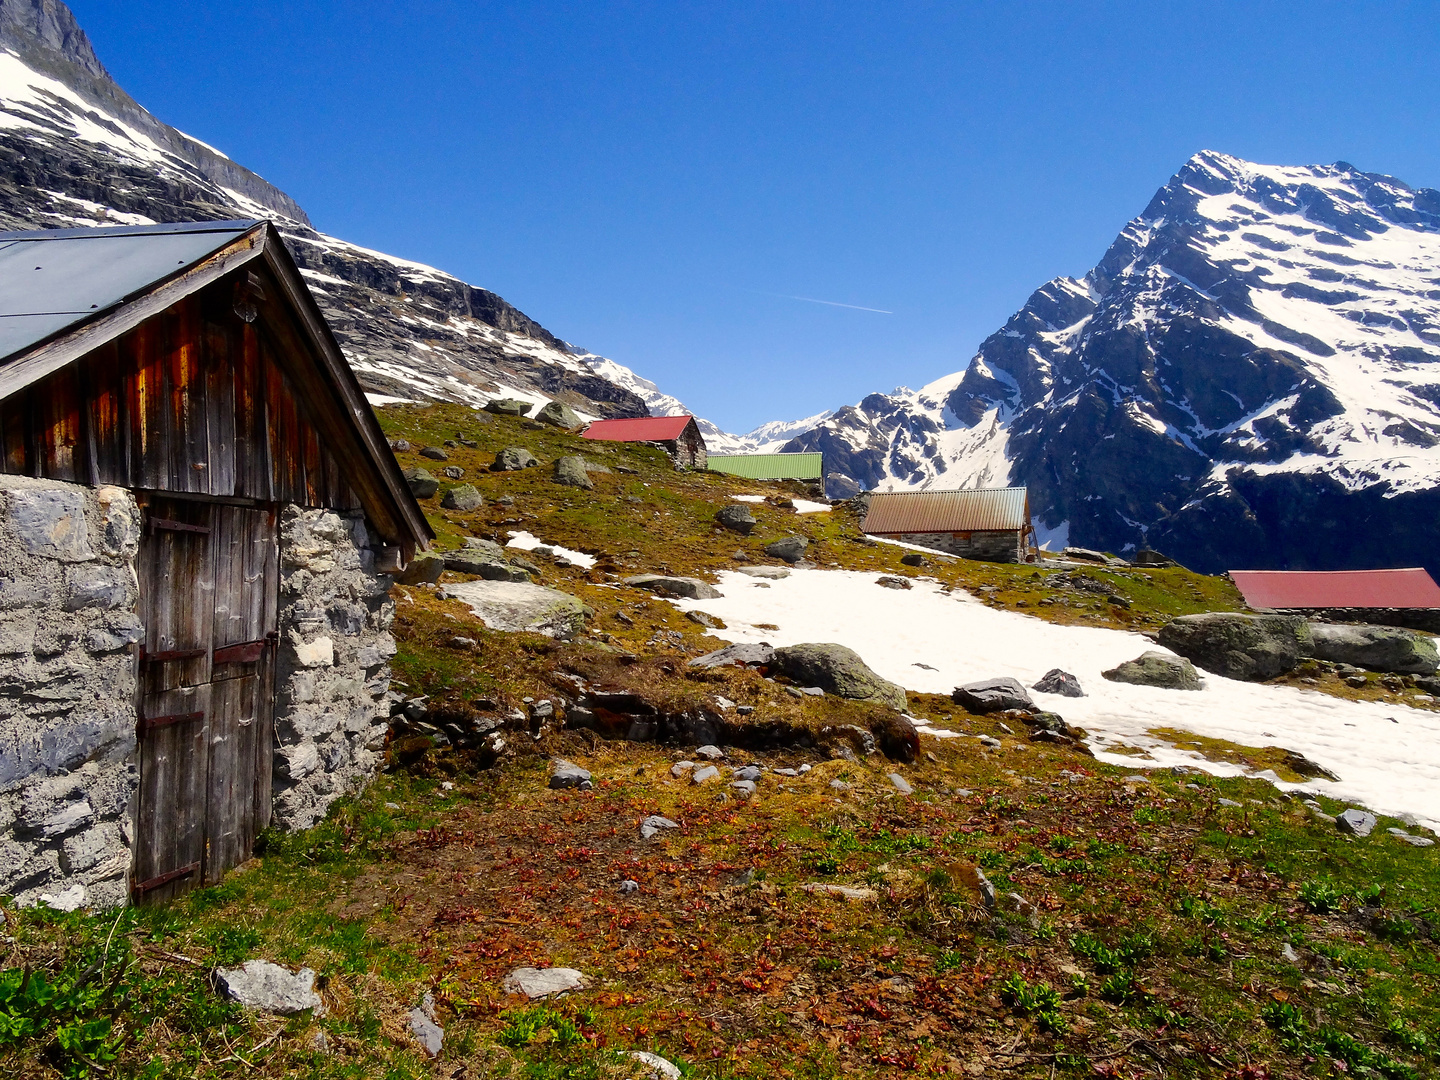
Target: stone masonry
992	546
331	713
68	619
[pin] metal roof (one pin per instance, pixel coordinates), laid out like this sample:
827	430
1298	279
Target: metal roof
967	510
769	466
56	279
639	429
1283	589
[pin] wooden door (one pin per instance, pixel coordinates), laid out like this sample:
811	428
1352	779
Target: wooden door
208	594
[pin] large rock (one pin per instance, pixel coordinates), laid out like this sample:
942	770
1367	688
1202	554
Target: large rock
1056	681
837	670
993	695
1379	648
513	459
570	471
508	407
483	564
422	483
736	517
267	987
1249	647
789	548
1156	669
515	606
464	498
424	569
558	414
543	982
736	655
666	585
770	573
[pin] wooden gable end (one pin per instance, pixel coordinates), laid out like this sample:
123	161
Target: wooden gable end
194	400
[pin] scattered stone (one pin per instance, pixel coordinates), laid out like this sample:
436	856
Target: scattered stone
1355	822
1227	802
805	768
565	774
704	774
543	982
837	670
901	784
664	585
992	695
434	453
508	407
513	459
746	788
480	563
270	988
421	483
1085	555
558	414
709	752
464	498
654	823
1248	647
737	655
570	472
71	899
430	1035
1356	682
655	1066
1378	648
424	569
628	886
1301	765
453	472
736	517
710	622
680	768
991	741
839	785
913	558
785	772
514	606
1137	778
840	892
888	582
1059	682
1156	669
459	642
790	549
400	446
1288	954
749	772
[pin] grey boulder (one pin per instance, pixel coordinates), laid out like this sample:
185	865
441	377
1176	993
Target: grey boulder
513	459
566	774
1059	682
666	585
1156	669
570	471
424	569
1247	647
737	518
515	606
837	670
464	497
992	695
558	414
482	564
1355	822
421	483
543	982
422	1025
270	988
737	655
1379	648
434	453
769	573
508	407
790	548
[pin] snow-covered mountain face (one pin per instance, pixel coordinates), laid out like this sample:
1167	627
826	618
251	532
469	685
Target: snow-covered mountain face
76	150
1250	377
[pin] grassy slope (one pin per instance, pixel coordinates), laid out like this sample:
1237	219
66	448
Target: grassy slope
1149	940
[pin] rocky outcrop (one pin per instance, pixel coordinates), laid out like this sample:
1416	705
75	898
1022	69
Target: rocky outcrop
1248	647
1156	669
736	517
517	606
672	585
992	695
837	670
1379	648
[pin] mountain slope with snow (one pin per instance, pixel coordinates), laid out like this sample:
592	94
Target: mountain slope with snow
1250	377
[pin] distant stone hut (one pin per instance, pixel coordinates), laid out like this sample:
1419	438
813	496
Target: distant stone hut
975	523
199	517
678	436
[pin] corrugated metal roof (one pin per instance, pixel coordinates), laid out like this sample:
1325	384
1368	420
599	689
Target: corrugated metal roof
1282	589
57	278
638	429
967	510
769	466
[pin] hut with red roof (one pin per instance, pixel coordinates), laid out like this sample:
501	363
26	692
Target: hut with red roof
678	436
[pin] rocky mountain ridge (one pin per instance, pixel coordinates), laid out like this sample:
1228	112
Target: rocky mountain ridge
1249	377
76	150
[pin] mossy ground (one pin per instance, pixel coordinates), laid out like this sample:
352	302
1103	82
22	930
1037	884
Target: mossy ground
1149	939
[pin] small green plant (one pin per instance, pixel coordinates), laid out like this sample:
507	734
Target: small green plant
1120	988
949	960
538	1024
1321	896
1402	1034
38	1008
1042	1001
828	965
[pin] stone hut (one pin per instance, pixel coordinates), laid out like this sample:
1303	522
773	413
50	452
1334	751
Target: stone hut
975	523
199	520
678	436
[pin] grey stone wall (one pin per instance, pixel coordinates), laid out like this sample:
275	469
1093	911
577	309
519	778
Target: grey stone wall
68	622
331	713
998	546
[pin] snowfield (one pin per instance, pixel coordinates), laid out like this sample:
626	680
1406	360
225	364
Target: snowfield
1387	756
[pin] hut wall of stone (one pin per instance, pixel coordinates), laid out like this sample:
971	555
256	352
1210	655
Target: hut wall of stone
331	709
1004	545
68	624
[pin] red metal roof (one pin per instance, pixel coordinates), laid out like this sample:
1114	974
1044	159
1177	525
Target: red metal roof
639	429
1412	588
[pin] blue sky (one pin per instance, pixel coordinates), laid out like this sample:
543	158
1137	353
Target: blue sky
652	181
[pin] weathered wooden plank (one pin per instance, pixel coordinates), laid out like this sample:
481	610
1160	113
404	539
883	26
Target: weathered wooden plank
106	434
145	394
173	758
14	437
217	364
252	429
177	575
62	452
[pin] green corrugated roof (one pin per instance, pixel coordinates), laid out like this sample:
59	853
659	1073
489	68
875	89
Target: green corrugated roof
769	466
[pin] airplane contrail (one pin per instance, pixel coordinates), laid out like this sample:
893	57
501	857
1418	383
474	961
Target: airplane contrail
827	303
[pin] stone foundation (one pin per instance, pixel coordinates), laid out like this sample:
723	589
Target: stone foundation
67	689
1000	546
331	713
